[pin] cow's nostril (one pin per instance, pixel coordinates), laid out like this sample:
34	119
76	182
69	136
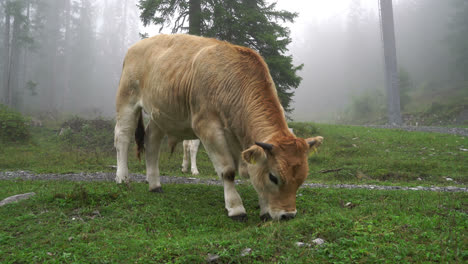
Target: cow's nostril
287	216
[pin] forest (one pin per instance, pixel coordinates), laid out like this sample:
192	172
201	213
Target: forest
64	58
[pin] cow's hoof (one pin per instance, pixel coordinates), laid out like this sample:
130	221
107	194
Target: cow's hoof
265	217
239	218
157	190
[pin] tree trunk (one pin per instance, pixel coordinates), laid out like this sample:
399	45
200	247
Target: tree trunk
14	97
124	27
6	58
53	27
195	17
67	54
391	73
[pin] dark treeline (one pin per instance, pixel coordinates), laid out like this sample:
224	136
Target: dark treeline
64	56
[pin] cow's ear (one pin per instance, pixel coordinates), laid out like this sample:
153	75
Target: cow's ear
254	154
314	142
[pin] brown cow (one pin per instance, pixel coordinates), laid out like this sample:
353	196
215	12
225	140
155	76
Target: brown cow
224	95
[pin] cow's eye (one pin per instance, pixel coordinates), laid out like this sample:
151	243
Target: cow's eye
273	178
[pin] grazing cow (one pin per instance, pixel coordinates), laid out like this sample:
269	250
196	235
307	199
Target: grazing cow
190	150
193	87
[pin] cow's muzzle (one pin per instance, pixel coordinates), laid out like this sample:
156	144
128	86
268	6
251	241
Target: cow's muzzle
279	216
288	216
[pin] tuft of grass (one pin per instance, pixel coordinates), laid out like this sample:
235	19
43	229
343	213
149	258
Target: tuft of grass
104	222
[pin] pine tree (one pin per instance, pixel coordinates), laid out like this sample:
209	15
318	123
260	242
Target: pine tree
251	23
16	39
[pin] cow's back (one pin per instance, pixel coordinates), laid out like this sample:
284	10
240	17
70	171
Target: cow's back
163	68
177	77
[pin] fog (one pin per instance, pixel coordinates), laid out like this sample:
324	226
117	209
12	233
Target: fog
341	50
68	59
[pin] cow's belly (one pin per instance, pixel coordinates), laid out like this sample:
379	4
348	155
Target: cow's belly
177	126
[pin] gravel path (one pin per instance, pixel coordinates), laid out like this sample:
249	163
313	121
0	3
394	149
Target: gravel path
444	130
109	176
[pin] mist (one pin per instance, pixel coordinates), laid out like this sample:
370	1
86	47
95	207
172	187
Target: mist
343	57
69	58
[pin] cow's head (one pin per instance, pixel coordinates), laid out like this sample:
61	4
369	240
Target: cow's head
277	168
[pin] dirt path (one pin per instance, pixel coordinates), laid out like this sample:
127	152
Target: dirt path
444	130
109	176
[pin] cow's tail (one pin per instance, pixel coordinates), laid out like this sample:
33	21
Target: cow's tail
140	136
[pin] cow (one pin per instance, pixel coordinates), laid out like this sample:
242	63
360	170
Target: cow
194	87
190	152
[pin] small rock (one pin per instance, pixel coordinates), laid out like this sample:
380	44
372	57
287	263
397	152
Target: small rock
16	198
70	238
246	251
302	244
212	257
419	179
318	241
350	205
96	213
448	179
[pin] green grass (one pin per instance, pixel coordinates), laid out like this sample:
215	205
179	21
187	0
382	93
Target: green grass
359	154
386	156
102	222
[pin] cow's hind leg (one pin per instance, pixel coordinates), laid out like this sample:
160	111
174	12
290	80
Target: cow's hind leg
212	136
127	118
153	139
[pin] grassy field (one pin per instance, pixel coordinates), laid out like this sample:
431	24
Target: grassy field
354	154
102	222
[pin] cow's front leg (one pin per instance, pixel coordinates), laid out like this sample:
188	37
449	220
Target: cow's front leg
153	139
232	199
212	136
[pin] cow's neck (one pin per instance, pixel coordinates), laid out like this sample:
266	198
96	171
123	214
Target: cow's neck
263	125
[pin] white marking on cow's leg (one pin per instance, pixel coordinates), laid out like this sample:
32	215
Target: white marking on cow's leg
232	199
124	129
153	139
194	144
185	160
